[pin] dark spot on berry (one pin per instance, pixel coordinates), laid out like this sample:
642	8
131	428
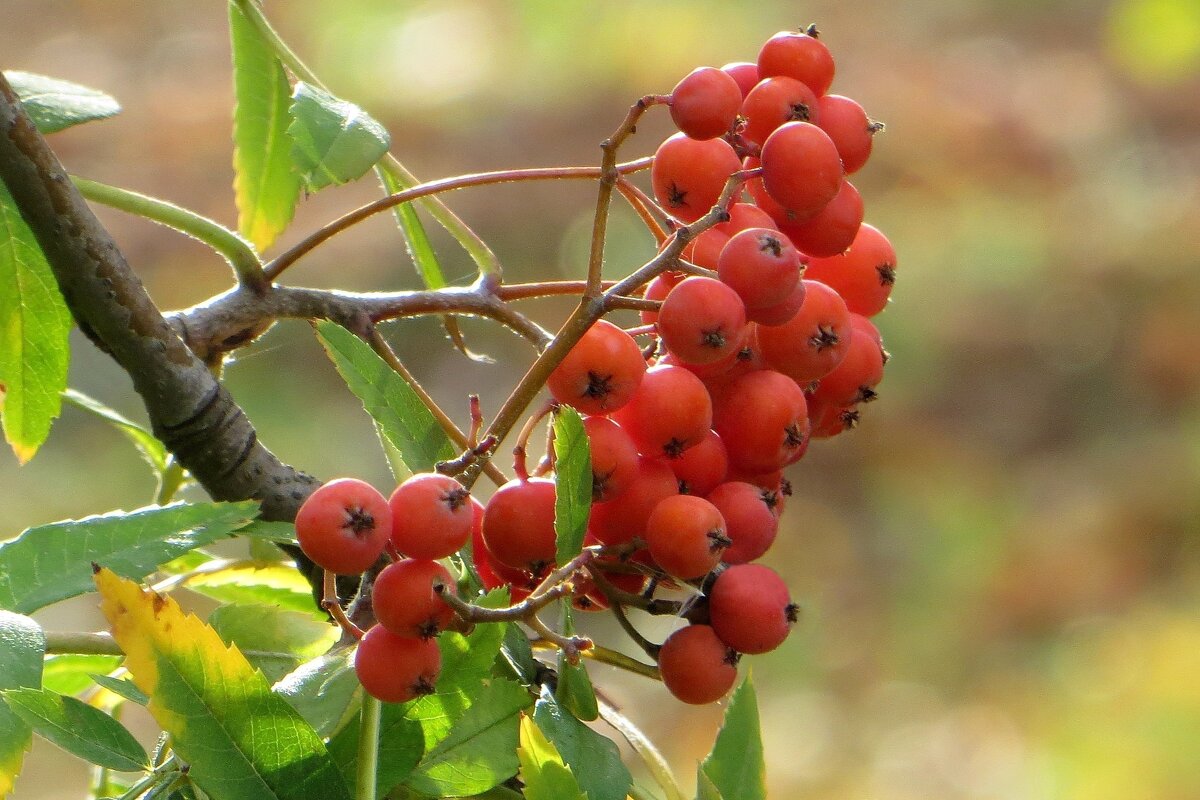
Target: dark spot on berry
850	418
456	498
428	629
714	339
359	520
800	112
785	487
866	394
770	499
887	274
676	197
674	448
423	686
718	541
732	657
793	435
769	243
745	354
792	611
684	488
599	386
825	336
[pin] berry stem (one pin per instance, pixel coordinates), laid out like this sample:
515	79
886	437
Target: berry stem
645	208
571	646
523	291
368	747
518	612
605	655
333	605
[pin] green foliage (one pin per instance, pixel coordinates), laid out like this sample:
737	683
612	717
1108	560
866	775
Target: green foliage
420	249
250	582
573	482
78	728
735	767
594	759
543	772
22	645
324	690
52	562
275	640
574	690
333	141
266	186
123	688
55	104
34	323
401	417
72	673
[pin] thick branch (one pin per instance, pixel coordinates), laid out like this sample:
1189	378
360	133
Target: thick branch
189	409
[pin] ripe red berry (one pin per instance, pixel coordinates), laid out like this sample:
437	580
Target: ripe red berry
404	599
849	128
751	519
696	666
688	175
799	55
705	104
703	251
854	380
833	229
763	419
618	521
344	525
614	458
686	536
779	313
741	217
863	275
431	516
701	468
702	320
518	524
601	372
744	73
814	341
801	169
492	574
670	412
773	102
394	668
750	608
761	265
656	289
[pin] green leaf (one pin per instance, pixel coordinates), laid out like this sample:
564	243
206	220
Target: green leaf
55	104
325	691
735	766
278	532
71	673
34	323
400	748
250	582
265	185
273	639
333	141
480	750
573	482
125	688
153	450
706	789
51	563
392	403
416	240
574	690
240	739
593	758
22	648
543	772
518	655
78	728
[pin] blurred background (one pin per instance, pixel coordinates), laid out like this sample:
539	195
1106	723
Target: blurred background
1000	569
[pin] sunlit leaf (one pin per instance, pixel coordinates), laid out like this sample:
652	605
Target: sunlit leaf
735	767
240	739
249	582
572	482
265	184
543	772
52	562
398	411
333	141
324	690
574	690
71	673
55	104
123	688
34	323
76	727
273	639
22	648
594	759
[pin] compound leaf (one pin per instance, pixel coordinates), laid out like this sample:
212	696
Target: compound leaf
55	104
240	739
50	563
333	141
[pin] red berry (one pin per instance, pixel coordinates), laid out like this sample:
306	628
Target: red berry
750	609
614	458
493	574
773	102
703	467
686	536
394	668
833	229
763	419
344	525
702	320
620	520
404	599
744	73
814	341
688	175
705	104
799	55
849	128
703	251
761	265
751	519
670	412
854	380
801	169
696	666
863	275
431	516
601	372
656	289
741	217
518	524
779	313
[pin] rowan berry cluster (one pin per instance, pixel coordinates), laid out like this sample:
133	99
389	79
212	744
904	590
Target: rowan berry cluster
762	341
